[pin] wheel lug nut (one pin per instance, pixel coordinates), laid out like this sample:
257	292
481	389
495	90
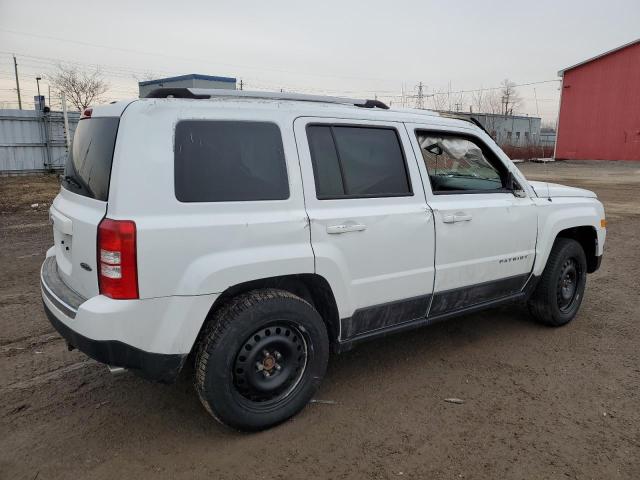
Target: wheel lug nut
277	355
278	367
259	366
265	353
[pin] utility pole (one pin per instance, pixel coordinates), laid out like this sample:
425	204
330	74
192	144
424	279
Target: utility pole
420	97
15	67
67	134
40	103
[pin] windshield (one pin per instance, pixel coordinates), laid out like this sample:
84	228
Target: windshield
88	166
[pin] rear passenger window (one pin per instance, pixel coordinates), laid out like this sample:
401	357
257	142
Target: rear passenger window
225	161
355	162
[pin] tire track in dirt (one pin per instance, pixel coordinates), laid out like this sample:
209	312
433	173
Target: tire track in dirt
46	377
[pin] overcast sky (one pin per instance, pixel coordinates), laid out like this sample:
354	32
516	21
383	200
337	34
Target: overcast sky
335	47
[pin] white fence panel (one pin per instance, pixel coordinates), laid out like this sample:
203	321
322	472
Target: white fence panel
32	141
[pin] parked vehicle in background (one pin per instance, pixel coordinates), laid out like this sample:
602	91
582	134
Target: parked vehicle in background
254	232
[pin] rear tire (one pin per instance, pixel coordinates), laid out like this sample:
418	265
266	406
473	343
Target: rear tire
558	295
261	359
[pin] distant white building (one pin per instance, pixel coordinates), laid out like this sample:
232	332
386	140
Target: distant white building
516	130
193	80
548	138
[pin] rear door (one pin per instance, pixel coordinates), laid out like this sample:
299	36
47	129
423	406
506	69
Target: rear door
371	230
82	203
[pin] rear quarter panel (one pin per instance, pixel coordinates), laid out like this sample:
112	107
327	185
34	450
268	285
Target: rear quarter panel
202	248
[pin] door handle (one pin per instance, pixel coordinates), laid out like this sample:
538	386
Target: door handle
456	218
346	227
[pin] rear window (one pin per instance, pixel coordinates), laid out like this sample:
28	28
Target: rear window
226	161
88	166
357	162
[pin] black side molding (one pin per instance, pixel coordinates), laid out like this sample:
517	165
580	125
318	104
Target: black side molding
386	315
396	317
458	298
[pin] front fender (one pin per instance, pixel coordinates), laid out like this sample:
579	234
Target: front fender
563	213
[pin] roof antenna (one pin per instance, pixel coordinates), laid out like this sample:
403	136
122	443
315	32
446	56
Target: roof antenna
546	168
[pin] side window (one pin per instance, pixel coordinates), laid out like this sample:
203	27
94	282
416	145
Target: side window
357	162
457	164
226	161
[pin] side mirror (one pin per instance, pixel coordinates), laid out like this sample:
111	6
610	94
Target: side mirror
434	149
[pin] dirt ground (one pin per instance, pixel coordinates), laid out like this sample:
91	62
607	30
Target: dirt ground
538	402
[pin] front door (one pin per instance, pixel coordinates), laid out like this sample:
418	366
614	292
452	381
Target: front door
371	230
485	234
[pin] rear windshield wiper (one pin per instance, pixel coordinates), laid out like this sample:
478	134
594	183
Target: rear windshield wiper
70	179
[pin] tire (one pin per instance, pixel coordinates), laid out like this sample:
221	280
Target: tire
261	359
558	295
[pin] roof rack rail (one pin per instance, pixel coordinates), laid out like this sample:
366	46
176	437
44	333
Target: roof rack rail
207	93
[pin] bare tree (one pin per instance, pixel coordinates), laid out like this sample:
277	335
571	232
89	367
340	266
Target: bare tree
458	99
478	99
438	99
81	88
493	102
509	96
145	76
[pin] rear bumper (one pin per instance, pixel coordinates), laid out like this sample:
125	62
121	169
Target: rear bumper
151	337
153	366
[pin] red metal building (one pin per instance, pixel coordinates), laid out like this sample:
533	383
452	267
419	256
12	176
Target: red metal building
600	107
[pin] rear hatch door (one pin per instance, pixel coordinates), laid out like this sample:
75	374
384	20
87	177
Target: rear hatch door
82	203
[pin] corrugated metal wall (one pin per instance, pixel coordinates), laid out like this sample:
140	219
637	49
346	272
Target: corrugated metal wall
600	108
32	141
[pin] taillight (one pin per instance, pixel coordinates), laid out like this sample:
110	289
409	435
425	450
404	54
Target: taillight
117	264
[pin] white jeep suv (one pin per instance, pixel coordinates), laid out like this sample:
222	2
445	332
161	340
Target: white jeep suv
254	232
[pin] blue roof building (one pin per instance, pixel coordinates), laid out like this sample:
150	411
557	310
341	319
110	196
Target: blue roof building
193	80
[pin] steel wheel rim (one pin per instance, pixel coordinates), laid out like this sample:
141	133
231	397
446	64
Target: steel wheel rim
270	364
567	286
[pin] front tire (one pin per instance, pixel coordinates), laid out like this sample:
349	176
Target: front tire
558	295
261	359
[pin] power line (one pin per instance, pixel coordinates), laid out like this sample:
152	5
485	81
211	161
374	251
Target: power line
120	72
190	59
